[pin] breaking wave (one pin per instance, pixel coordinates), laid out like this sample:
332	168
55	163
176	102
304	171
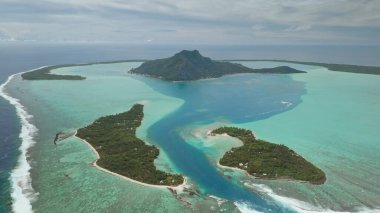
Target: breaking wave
22	193
296	205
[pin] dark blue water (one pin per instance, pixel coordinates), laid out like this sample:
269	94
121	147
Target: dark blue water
20	56
9	142
237	99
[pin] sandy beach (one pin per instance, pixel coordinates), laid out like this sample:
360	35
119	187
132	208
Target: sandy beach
179	187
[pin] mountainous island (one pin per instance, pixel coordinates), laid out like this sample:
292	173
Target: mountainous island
191	65
265	160
119	150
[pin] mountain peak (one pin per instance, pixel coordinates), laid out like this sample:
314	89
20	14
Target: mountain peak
189	54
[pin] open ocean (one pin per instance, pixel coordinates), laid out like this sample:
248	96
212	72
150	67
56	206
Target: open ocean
19	57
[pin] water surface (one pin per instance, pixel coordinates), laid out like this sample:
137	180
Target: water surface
307	112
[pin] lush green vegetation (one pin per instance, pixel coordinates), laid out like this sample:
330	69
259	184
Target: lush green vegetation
336	67
191	65
267	160
345	67
120	151
278	70
44	74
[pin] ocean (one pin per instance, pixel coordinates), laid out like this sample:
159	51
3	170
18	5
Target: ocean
17	57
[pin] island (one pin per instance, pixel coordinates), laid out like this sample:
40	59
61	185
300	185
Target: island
45	74
119	150
359	69
191	65
343	67
265	160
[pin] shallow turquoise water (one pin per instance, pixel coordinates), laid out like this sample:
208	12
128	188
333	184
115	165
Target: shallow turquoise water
318	114
238	98
335	127
62	175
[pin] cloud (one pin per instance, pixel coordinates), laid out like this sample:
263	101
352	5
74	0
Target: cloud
297	28
211	21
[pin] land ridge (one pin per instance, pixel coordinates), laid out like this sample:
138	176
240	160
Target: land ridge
350	68
44	73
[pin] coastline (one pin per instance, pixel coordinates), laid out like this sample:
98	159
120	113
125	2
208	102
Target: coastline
179	187
22	193
263	178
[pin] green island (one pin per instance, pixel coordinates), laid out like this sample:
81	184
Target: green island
373	70
265	160
121	152
345	67
44	73
191	65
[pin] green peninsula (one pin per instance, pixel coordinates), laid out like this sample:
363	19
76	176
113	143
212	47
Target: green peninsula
121	152
45	74
360	69
343	67
266	160
191	65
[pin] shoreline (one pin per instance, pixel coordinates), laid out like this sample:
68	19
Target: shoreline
22	192
263	178
179	187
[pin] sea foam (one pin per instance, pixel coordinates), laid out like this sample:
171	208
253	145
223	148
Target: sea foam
245	208
22	193
294	204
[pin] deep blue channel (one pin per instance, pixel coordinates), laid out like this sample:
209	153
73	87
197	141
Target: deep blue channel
235	99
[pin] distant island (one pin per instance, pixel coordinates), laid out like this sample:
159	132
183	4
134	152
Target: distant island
191	65
265	160
121	152
360	69
44	74
344	67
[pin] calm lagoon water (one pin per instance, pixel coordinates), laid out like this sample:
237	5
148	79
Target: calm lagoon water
328	117
336	127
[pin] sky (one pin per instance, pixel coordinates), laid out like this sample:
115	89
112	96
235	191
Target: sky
192	21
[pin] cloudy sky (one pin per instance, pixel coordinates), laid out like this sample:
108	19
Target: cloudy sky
193	21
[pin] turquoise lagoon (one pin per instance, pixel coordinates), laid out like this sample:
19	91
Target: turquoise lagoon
328	117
